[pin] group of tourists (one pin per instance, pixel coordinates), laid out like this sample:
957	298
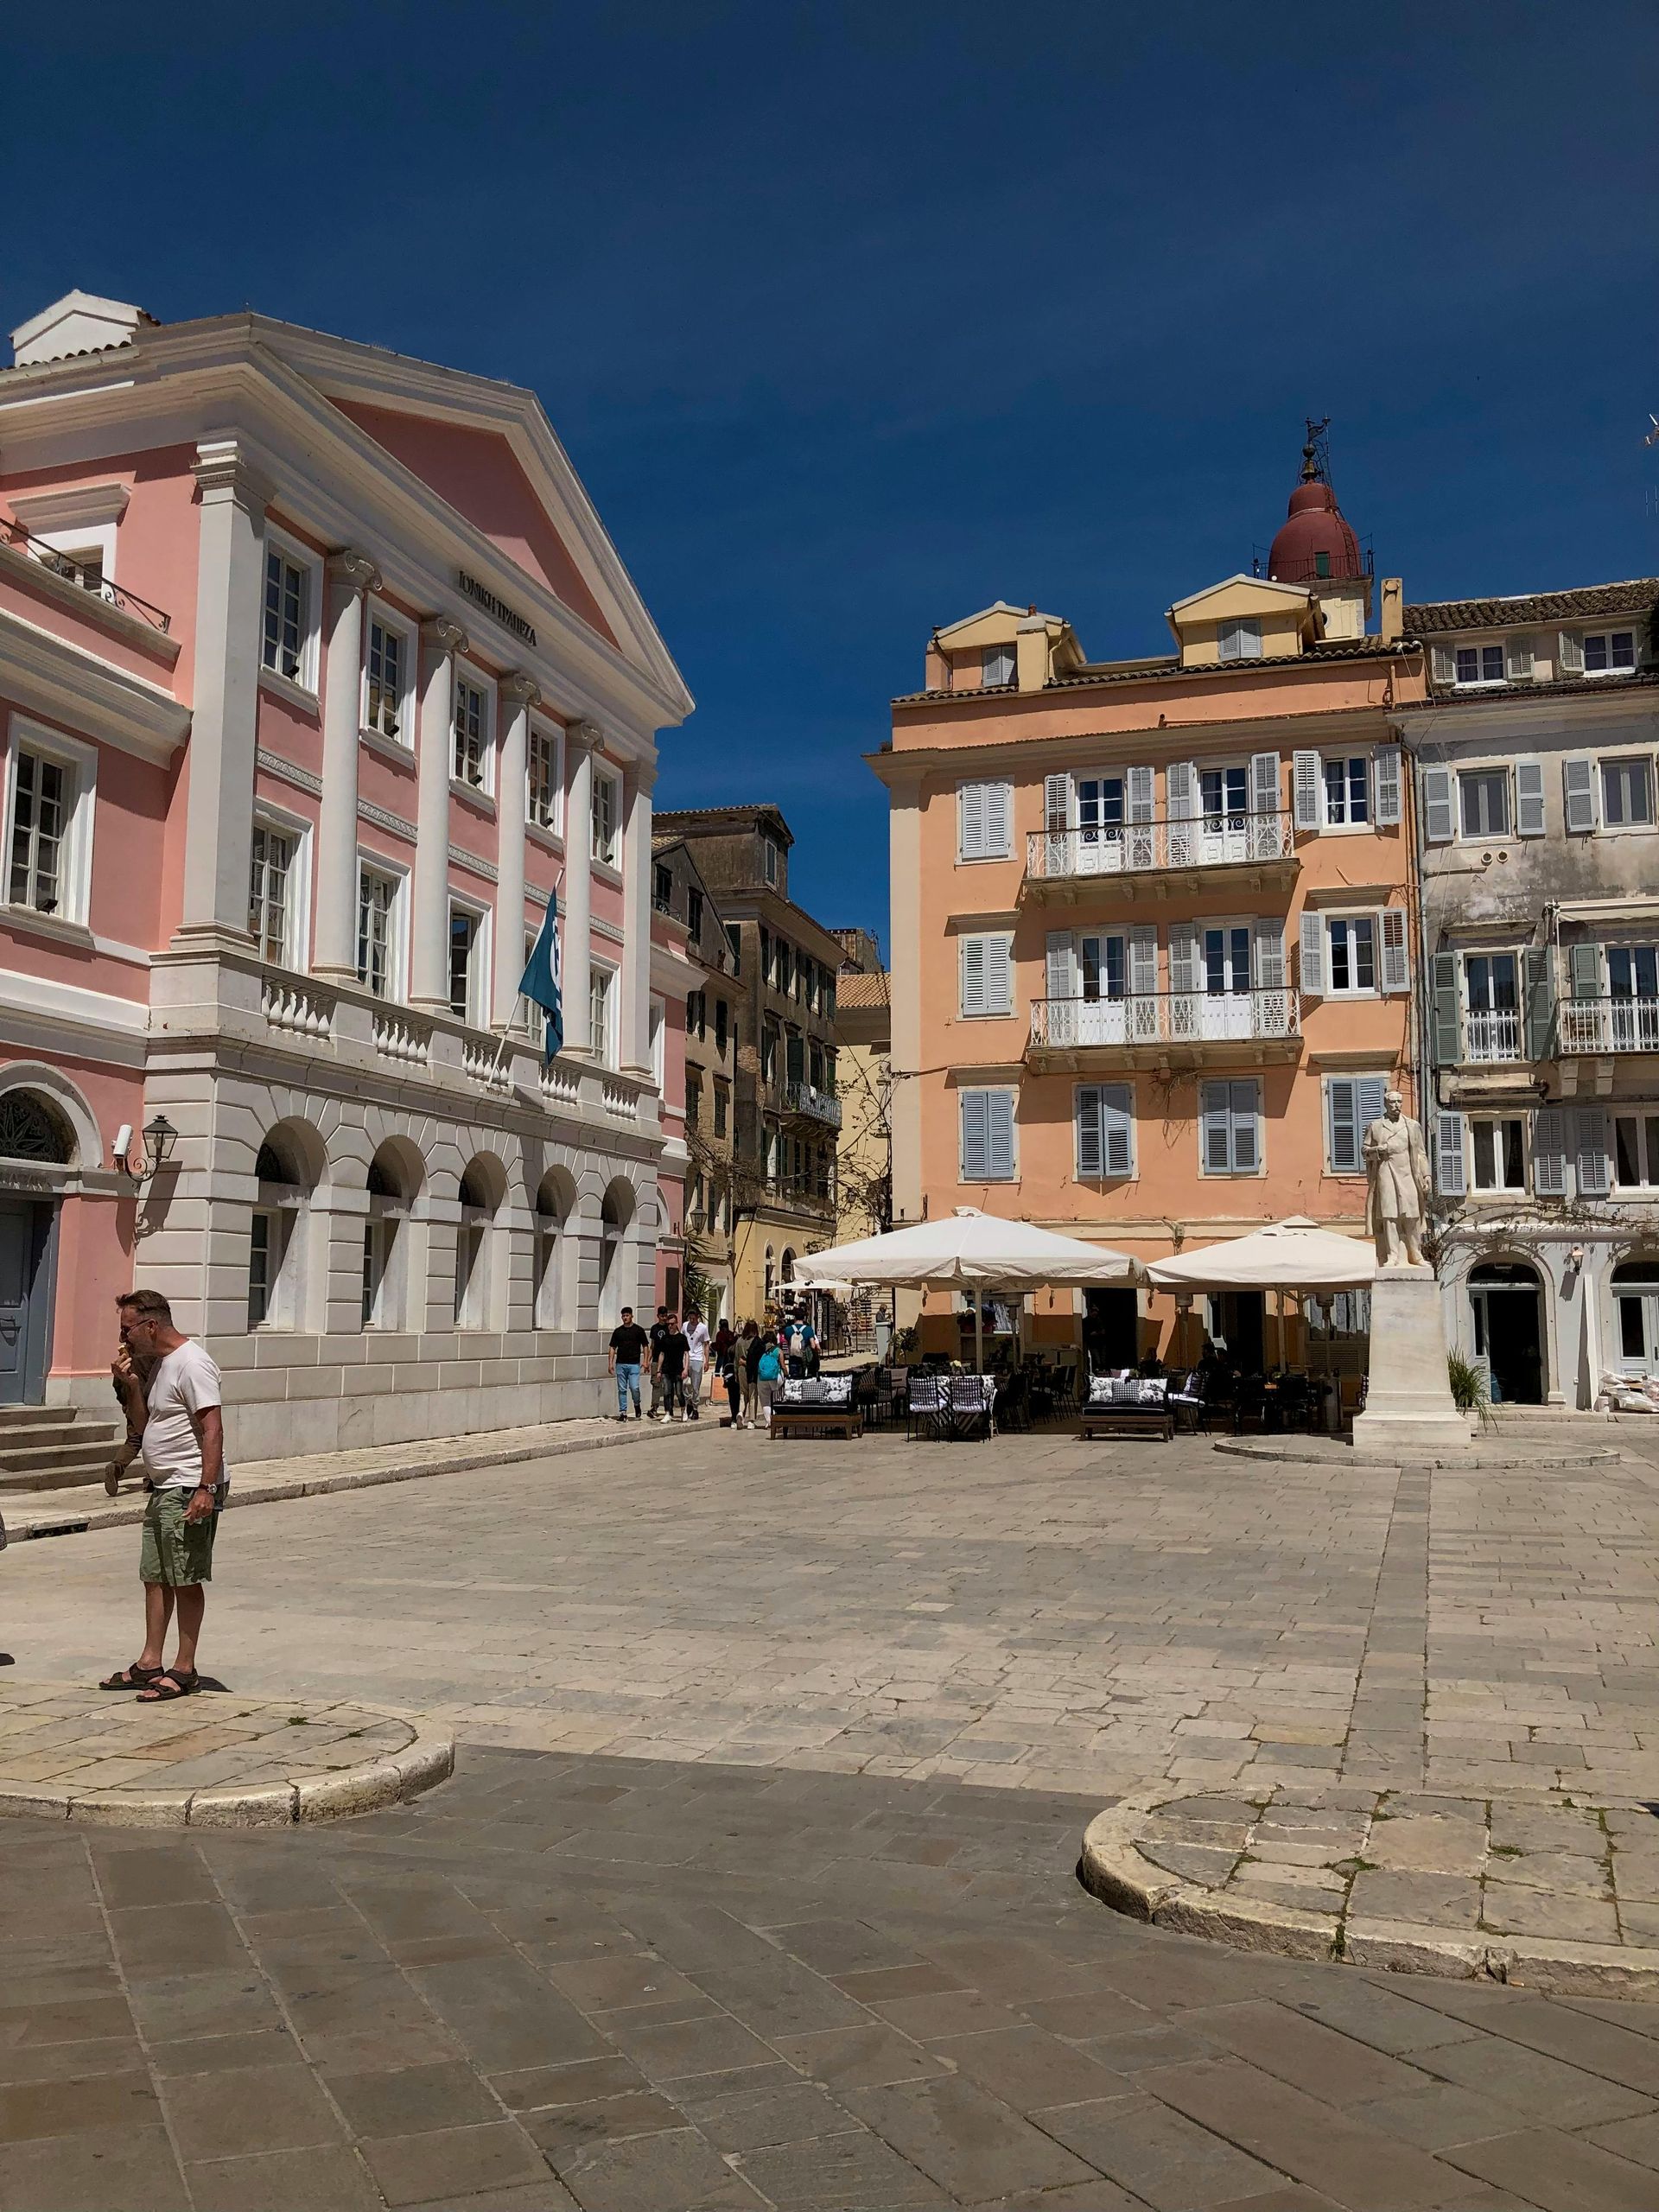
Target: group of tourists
676	1354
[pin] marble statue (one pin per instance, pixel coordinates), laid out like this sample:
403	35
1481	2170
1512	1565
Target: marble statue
1396	1169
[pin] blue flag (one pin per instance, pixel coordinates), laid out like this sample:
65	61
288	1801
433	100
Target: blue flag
540	981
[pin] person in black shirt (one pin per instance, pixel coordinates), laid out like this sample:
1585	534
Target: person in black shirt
672	1363
628	1343
661	1329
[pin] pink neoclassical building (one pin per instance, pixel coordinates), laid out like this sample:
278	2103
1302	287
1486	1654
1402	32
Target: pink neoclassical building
319	676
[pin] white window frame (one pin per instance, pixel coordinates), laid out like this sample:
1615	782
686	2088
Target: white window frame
397	991
385	1259
964	858
377	616
1606	636
1647	1146
997	664
277	1227
1345	827
1374	988
476	1012
605	779
1637	759
989	1090
310	564
772	859
1481	647
1492	768
79	763
296	941
985	939
1231	1173
1475	1188
603	1047
468	673
552	735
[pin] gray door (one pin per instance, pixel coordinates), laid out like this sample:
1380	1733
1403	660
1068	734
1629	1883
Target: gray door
16	1272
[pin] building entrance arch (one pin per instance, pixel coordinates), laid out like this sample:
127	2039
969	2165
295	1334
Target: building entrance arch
1506	1308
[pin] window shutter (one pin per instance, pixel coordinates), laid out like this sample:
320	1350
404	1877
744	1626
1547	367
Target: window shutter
1139	784
970	822
1267	955
1448	1155
1538	1005
1529	798
1396	963
998	821
1264	783
1244	1103
1370	1093
1385	775
1183	959
1578	794
1442	664
1090	1162
1440	822
1056	804
1569	654
1342	1109
1214	1122
1585	969
1446	1011
1312	978
976	1143
1589	1148
1550	1153
1181	784
1304	785
973	973
1117	1128
1062	965
1517	660
998	975
1143	961
1000	1136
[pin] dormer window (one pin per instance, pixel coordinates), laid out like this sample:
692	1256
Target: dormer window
1241	639
1480	664
771	859
1609	653
996	664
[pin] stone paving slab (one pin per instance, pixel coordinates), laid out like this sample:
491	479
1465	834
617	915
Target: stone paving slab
210	1760
83	1506
1546	1891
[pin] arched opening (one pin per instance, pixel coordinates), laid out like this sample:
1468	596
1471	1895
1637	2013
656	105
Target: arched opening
482	1183
36	1133
393	1181
32	1128
1506	1310
1635	1315
556	1250
616	1218
285	1169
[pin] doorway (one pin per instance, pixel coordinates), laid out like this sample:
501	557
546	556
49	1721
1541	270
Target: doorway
1111	1335
1238	1325
25	1301
1508	1317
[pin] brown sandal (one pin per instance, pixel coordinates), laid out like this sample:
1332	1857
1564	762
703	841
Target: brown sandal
132	1678
170	1682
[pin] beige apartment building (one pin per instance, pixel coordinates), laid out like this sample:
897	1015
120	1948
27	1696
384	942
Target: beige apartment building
680	899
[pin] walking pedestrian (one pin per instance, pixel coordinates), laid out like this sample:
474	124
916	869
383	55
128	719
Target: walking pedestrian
728	1372
749	1353
183	1449
769	1373
628	1347
660	1330
697	1359
672	1360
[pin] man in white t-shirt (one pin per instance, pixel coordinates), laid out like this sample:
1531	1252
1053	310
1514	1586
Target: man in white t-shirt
696	1356
183	1459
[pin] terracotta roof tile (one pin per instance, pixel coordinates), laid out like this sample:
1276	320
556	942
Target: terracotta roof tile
854	989
1637	596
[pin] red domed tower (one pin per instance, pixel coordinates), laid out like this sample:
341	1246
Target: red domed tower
1314	545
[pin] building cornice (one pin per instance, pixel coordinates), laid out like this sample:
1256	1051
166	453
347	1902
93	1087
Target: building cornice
49	676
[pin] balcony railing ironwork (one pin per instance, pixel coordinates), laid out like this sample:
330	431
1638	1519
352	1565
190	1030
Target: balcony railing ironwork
1607	1025
1492	1033
805	1098
90	577
1157	1018
1198	841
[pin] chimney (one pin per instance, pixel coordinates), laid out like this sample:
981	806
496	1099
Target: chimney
1390	618
80	322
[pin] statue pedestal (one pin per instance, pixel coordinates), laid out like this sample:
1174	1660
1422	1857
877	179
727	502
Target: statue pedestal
1408	1402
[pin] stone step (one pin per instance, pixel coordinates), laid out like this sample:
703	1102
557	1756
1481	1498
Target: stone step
32	1418
80	1458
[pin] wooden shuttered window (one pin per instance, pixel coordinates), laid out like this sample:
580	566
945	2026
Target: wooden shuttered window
987	1136
986	974
1105	1131
984	821
1229	1126
1352	1102
1450	1179
1529	820
1439	809
1385	786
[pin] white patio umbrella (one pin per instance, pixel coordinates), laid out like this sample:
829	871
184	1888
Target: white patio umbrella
1292	1254
969	1250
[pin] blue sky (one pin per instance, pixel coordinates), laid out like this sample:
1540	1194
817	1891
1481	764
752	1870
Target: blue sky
855	317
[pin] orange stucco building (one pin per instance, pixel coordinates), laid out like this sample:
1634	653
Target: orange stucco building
1152	964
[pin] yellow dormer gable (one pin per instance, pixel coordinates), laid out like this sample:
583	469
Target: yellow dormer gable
1002	644
1244	618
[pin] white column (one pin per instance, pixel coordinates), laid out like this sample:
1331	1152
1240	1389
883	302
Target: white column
635	1036
350	574
517	696
576	940
224	728
429	966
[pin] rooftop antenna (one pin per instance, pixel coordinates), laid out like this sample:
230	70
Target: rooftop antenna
1316	454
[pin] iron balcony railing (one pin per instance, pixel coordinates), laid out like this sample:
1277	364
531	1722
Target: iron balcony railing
1142	848
1609	1025
805	1098
1492	1033
1166	1018
90	577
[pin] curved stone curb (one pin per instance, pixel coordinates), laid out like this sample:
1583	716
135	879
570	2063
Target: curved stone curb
1113	1869
428	1757
1485	1455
